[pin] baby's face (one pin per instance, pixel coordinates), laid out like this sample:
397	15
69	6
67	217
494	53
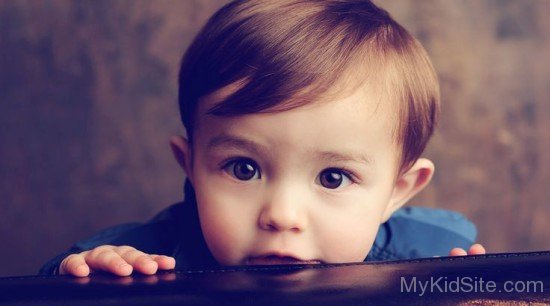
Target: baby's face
313	183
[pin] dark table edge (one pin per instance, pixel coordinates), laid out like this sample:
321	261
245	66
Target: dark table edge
324	266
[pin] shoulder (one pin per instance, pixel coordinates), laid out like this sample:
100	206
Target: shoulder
155	236
414	232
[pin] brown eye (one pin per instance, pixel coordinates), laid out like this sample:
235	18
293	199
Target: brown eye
333	178
244	170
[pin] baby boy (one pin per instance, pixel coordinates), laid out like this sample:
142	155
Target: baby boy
305	124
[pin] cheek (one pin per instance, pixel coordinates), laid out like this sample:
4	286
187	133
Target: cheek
225	229
350	231
349	238
221	232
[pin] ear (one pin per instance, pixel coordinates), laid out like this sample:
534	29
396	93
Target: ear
181	148
409	184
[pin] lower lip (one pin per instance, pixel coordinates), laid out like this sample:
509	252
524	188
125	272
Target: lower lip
271	260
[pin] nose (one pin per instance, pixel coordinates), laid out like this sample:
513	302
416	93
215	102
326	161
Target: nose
283	210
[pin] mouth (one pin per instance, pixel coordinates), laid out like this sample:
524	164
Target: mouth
279	260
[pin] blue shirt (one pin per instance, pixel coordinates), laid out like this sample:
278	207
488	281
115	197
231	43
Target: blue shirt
411	232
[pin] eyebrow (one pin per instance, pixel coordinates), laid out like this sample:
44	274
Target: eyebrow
230	141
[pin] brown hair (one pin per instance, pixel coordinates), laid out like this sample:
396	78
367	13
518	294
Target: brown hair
287	53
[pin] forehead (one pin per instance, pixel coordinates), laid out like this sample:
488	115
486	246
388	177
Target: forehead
360	122
369	95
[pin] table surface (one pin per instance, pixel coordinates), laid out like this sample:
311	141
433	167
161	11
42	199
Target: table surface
493	279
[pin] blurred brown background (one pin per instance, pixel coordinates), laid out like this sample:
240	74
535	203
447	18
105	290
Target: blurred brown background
88	101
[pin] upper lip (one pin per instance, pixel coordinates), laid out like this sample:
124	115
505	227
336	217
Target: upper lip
281	254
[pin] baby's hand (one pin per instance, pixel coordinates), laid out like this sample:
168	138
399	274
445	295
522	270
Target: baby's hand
476	249
119	260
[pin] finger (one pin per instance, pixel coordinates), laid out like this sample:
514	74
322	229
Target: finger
457	252
75	265
476	249
140	261
164	262
110	261
92	254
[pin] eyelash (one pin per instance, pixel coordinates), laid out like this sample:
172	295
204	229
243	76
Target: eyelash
351	176
224	164
347	172
230	160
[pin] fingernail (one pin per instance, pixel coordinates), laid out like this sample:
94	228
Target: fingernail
81	267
